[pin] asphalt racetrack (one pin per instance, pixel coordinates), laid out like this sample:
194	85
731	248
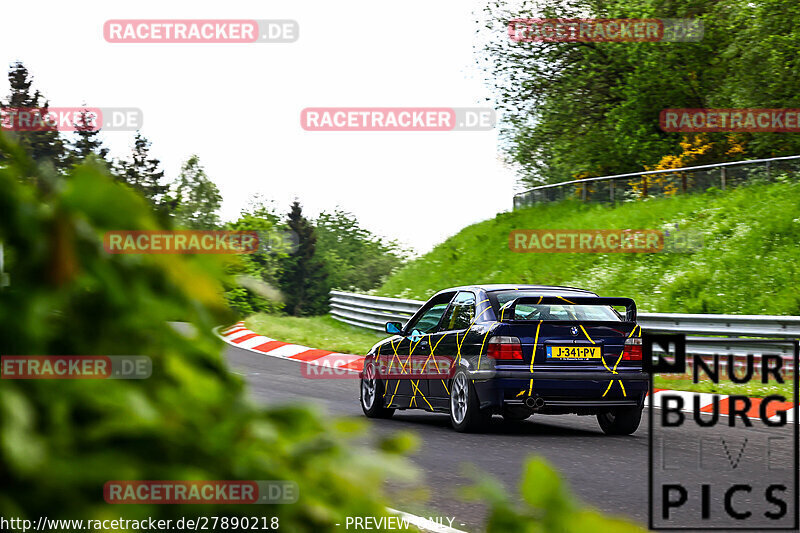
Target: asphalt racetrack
607	473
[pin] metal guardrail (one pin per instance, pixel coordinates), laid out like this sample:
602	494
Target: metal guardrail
706	334
665	182
371	312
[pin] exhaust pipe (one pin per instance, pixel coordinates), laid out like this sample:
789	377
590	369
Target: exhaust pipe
534	403
530	402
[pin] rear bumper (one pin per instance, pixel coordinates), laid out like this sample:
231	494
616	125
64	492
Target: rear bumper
564	391
563	376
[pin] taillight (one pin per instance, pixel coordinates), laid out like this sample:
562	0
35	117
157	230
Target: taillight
633	349
504	348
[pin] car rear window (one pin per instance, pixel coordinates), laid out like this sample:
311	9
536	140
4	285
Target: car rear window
563	311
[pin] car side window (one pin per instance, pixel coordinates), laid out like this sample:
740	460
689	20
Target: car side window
429	319
461	312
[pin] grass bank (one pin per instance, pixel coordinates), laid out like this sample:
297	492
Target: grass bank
749	262
321	332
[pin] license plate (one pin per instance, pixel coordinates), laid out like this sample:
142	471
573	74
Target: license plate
580	353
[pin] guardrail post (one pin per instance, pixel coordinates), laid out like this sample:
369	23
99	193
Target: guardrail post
723	178
684	181
584	192
644	186
611	190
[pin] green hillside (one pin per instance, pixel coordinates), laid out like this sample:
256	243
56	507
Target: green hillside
749	262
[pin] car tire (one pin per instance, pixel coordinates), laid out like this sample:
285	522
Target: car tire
466	416
371	397
621	421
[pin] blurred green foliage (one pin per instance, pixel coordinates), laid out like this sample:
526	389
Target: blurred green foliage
61	440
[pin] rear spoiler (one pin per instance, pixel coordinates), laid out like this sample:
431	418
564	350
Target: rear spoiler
630	306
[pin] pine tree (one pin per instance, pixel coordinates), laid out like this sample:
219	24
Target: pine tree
87	143
44	144
143	174
304	277
197	197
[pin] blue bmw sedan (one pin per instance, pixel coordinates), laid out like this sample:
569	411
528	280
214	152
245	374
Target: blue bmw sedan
512	350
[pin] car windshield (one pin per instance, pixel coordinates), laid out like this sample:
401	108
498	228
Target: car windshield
563	311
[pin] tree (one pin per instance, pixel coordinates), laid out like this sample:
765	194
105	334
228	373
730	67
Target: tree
197	198
592	108
257	273
87	142
46	143
143	174
357	259
304	277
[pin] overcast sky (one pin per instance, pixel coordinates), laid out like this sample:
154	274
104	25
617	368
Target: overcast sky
238	105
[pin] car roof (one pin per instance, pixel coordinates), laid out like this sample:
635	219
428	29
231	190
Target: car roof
523	287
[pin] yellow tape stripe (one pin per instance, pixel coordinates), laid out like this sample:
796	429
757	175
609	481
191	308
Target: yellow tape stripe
618	360
608	388
587	335
408	362
634	331
433	349
394	349
480	353
535	343
533	355
470	327
561	298
416	390
623	388
603	359
393	394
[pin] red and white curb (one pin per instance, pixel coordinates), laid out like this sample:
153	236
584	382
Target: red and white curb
238	335
241	337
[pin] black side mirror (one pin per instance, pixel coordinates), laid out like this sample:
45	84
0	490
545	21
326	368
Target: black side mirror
394	328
